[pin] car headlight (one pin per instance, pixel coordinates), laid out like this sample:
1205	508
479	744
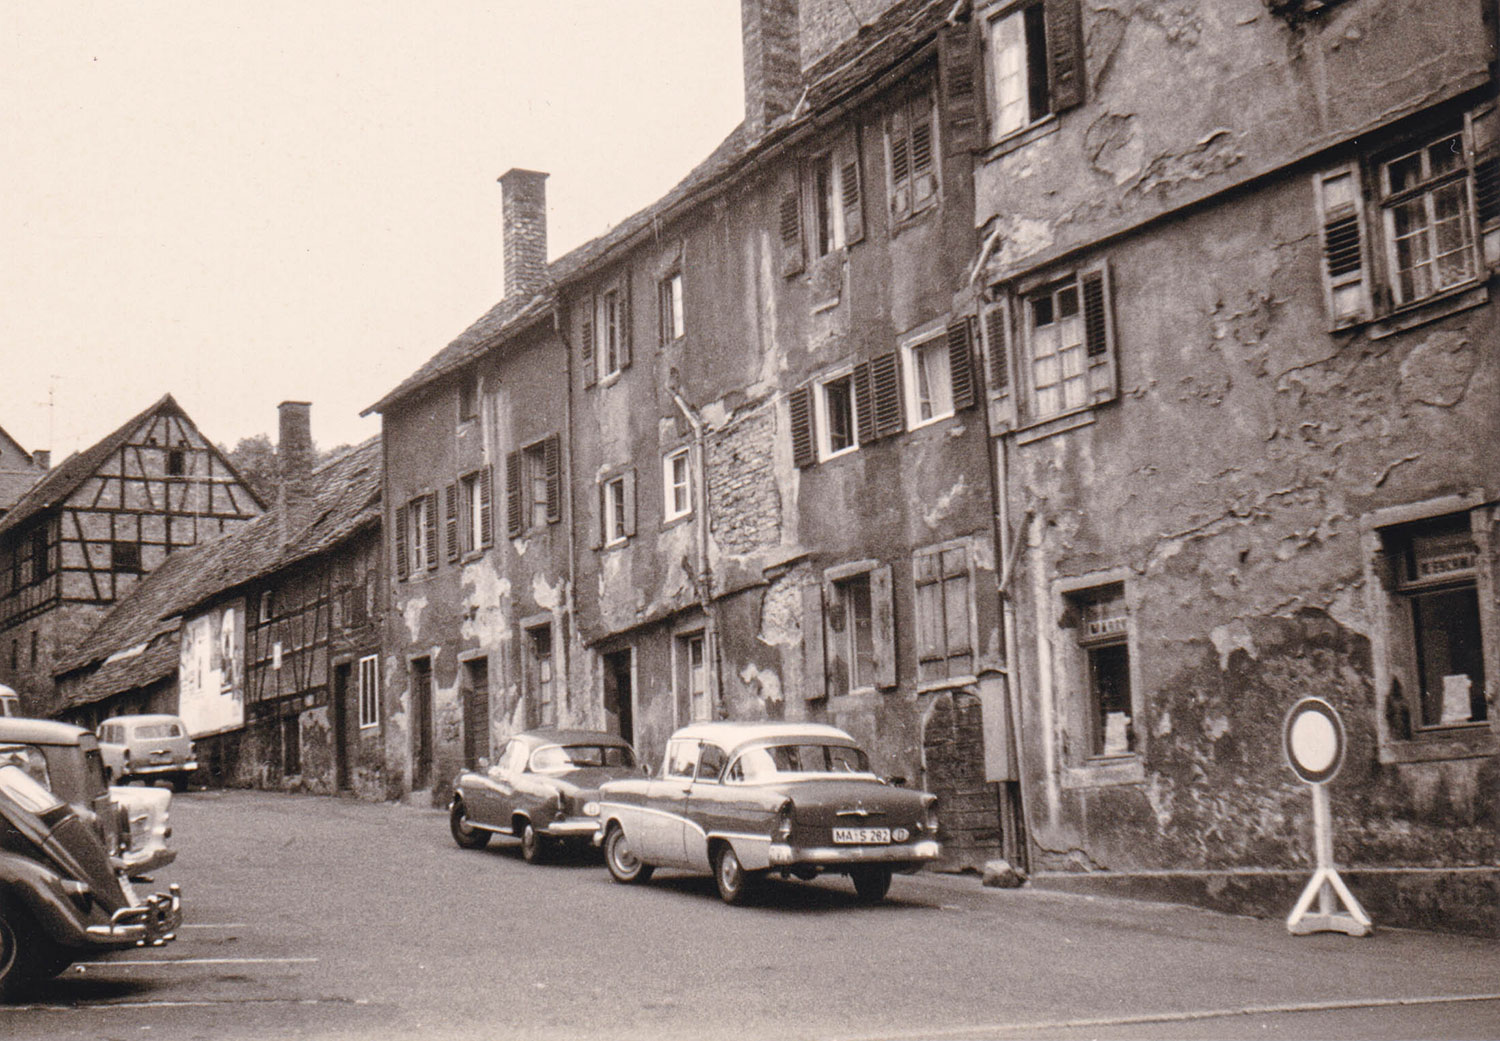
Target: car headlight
591	809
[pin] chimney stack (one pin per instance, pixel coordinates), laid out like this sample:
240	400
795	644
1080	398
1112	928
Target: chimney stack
524	197
773	61
42	459
294	464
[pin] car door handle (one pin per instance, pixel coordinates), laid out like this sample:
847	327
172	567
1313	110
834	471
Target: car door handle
687	789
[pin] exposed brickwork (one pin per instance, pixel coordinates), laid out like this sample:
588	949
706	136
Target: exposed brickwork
773	69
827	23
525	230
746	504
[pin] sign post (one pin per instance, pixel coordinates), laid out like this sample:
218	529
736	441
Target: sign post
1313	740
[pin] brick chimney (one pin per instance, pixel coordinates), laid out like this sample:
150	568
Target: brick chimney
294	465
524	197
773	61
41	458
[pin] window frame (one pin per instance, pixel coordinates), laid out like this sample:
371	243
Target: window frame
1073	678
542	692
825	638
698	701
131	565
672	322
1052	65
469	395
367	683
670	485
930	341
949	678
902	169
615	506
822	414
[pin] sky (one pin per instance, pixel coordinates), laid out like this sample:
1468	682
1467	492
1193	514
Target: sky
248	203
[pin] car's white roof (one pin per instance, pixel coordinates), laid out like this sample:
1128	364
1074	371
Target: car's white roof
148	717
732	734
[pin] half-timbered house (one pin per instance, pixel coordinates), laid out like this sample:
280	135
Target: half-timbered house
83	536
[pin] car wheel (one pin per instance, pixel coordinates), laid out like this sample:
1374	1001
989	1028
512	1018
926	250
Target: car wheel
534	847
464	833
871	883
623	865
26	955
730	875
179	782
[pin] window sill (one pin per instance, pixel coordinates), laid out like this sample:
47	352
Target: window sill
1467	741
900	224
1105	771
616	544
1409	316
1048	124
947	683
672	522
1059	424
914	427
829	457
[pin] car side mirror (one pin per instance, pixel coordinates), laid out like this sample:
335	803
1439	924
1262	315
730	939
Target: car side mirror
896	781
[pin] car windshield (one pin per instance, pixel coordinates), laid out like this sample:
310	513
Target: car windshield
152	731
19	785
30	759
760	764
557	759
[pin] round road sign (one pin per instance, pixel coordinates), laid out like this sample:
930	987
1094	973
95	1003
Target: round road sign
1313	739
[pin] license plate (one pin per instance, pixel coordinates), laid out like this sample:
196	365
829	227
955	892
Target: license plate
861	836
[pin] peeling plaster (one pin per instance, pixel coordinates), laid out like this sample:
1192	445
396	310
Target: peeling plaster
1438	370
1232	637
485	590
547	596
1114	147
411	615
946	503
768	681
1212	154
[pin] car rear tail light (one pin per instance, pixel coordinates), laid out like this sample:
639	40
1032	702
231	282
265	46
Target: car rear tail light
931	821
783	830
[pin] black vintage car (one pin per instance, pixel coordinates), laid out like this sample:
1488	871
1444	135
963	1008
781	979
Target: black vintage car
61	898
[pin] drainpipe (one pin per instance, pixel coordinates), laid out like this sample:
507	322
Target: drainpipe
571	528
705	576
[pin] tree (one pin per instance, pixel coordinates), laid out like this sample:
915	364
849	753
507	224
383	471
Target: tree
255	459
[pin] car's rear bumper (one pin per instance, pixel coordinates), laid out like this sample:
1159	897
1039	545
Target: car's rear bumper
150	923
139	770
905	853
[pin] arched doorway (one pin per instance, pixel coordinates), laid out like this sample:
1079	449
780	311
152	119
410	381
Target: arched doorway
953	765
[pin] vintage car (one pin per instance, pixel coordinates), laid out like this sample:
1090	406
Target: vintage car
742	800
133	823
541	790
62	898
147	748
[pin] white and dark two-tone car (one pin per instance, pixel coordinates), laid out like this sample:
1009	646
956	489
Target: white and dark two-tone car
744	800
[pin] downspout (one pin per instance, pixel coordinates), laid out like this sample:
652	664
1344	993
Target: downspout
705	576
568	604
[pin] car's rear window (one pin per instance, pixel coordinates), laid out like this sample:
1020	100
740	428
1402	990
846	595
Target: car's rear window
151	731
760	764
561	758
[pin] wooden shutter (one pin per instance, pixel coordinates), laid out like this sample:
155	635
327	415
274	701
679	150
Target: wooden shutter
450	522
1346	285
601	528
898	149
885	386
623	320
864	404
958	60
403	564
995	323
799	402
814	665
630	502
851	190
789	220
430	521
961	363
883	626
485	522
1065	67
514	518
552	469
586	342
1098	333
923	152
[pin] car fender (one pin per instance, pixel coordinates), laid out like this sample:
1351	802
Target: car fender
753	851
26	883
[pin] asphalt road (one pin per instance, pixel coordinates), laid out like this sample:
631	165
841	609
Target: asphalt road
320	918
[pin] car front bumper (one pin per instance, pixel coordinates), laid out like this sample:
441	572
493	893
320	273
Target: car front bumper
573	828
919	852
152	922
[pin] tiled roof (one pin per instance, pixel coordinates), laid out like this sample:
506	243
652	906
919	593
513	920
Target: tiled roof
346	493
899	32
16	483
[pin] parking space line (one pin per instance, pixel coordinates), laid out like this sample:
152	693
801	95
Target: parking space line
214	925
201	961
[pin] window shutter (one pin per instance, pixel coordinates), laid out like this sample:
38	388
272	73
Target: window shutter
450	525
601	528
885	383
403	564
790	228
900	160
1065	68
814	667
552	469
624	320
923	152
850	188
961	363
1098	333
586	343
1346	287
513	514
630	502
430	522
799	402
958	58
864	403
486	524
883	626
995	322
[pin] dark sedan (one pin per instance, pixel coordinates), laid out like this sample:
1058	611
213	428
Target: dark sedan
741	800
543	789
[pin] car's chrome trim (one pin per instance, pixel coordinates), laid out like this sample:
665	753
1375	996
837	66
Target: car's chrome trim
572	826
151	923
783	855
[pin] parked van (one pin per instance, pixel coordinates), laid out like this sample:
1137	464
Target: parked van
10	702
147	748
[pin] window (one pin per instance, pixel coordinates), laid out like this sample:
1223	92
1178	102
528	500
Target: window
267	606
669	296
176	460
416	536
829	189
540	674
828	214
607	328
617	508
369	690
34	648
604	332
692	664
1102	632
1034	57
911	156
468	398
711	761
939	373
858	651
677	484
1066	340
38	561
835	420
1434	209
681	759
945	636
1431	571
125	557
469	524
533	486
